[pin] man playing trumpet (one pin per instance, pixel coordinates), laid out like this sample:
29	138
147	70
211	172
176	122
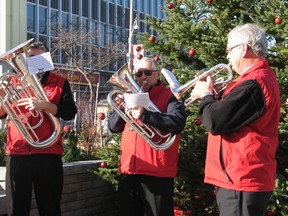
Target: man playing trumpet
243	127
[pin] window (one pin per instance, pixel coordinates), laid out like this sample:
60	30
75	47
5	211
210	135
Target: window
85	8
65	5
54	4
111	14
54	22
127	18
75	7
119	16
94	10
65	21
103	11
42	20
43	2
94	33
102	35
142	24
75	23
31	18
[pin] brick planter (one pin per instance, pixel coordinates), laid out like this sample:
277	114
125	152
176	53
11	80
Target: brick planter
84	193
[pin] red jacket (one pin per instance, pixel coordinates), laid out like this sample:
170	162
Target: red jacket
249	152
137	157
16	145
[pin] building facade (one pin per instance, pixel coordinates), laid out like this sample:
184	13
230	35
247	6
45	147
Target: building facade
106	22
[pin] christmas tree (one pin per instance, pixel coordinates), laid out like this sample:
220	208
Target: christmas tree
193	37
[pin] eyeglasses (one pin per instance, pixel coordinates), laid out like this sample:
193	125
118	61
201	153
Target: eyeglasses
146	72
231	48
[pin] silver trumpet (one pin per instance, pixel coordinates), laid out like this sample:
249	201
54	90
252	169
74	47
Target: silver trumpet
125	81
26	85
220	82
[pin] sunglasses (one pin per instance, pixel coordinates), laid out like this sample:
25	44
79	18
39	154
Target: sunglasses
146	72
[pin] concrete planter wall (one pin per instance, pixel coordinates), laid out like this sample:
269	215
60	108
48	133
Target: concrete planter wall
84	193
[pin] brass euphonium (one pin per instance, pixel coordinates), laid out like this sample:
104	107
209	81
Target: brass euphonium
25	85
220	81
125	81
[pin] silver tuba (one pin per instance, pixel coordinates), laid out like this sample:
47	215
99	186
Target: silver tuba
25	85
125	81
220	81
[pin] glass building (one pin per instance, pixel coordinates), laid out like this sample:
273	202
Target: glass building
108	20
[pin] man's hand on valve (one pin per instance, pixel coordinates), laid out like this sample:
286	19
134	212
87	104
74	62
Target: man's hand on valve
136	112
202	87
31	104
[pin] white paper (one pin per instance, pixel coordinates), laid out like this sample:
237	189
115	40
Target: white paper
171	79
141	99
40	63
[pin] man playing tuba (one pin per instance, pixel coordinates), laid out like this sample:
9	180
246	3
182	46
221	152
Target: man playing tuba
146	183
29	166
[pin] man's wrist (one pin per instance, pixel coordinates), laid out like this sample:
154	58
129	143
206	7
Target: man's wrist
206	94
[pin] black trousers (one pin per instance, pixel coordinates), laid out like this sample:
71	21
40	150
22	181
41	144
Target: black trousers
239	203
145	195
42	172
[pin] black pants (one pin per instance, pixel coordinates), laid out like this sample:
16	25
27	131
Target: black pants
45	173
139	194
239	203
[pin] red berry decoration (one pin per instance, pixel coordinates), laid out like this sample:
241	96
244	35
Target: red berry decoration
171	6
156	58
191	52
152	38
103	164
66	129
197	122
138	48
139	56
278	20
101	116
209	1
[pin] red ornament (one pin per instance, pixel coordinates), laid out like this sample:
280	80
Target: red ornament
103	164
152	38
278	20
156	58
171	6
197	122
101	116
209	1
138	48
180	1
139	56
191	52
66	129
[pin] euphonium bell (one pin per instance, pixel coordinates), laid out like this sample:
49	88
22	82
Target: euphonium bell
220	82
125	81
25	85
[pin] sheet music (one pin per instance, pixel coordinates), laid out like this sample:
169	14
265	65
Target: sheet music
141	99
171	79
40	63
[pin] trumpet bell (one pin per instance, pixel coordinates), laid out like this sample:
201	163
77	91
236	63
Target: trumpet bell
221	80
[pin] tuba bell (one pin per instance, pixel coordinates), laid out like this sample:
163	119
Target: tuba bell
25	85
220	81
126	84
